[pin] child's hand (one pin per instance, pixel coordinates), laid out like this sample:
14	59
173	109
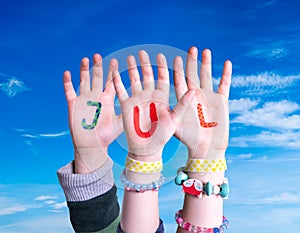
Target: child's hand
147	119
205	126
92	119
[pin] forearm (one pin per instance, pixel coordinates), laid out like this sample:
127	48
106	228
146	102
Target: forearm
88	160
206	211
140	211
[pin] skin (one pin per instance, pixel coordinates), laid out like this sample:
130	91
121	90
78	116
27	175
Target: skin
140	212
203	143
90	146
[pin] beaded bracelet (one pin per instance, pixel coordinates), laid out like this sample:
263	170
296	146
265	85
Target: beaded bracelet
197	229
143	167
196	188
134	187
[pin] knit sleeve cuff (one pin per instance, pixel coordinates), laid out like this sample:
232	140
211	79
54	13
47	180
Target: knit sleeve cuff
83	187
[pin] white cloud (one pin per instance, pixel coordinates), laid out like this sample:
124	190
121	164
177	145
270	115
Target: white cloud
280	198
54	135
264	80
12	86
245	156
273	115
241	105
13	209
269	53
288	139
43	198
45	135
59	206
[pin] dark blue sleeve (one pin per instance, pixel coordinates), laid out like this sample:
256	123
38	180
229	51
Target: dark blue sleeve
160	228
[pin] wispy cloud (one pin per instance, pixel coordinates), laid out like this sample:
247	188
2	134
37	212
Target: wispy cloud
13	210
264	4
262	83
44	135
287	139
245	156
272	115
266	79
59	206
268	50
279	199
11	86
51	201
44	198
268	53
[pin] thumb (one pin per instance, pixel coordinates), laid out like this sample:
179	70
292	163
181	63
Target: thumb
181	108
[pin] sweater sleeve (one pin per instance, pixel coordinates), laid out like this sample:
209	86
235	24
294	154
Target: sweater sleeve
91	198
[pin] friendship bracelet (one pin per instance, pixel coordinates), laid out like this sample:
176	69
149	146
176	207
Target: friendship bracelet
206	165
197	229
197	188
131	186
143	167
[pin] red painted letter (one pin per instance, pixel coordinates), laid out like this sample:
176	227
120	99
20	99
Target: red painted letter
136	121
202	120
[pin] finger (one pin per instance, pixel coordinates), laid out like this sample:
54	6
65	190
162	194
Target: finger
179	79
205	71
148	77
163	82
134	75
97	81
68	86
192	69
85	86
109	86
225	81
120	89
181	107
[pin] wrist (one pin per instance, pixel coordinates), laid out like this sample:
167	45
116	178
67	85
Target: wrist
198	153
153	157
216	178
88	160
140	178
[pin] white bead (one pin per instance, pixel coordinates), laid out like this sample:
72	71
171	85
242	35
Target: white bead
216	189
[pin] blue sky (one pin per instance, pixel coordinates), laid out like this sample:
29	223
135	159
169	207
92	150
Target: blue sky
40	39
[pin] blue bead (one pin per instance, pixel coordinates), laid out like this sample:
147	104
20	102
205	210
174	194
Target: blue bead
224	190
155	185
180	178
216	230
208	188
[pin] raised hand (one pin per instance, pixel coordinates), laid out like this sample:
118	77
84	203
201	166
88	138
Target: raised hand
147	119
205	126
92	119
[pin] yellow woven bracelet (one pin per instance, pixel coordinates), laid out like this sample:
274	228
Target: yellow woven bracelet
143	167
206	165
